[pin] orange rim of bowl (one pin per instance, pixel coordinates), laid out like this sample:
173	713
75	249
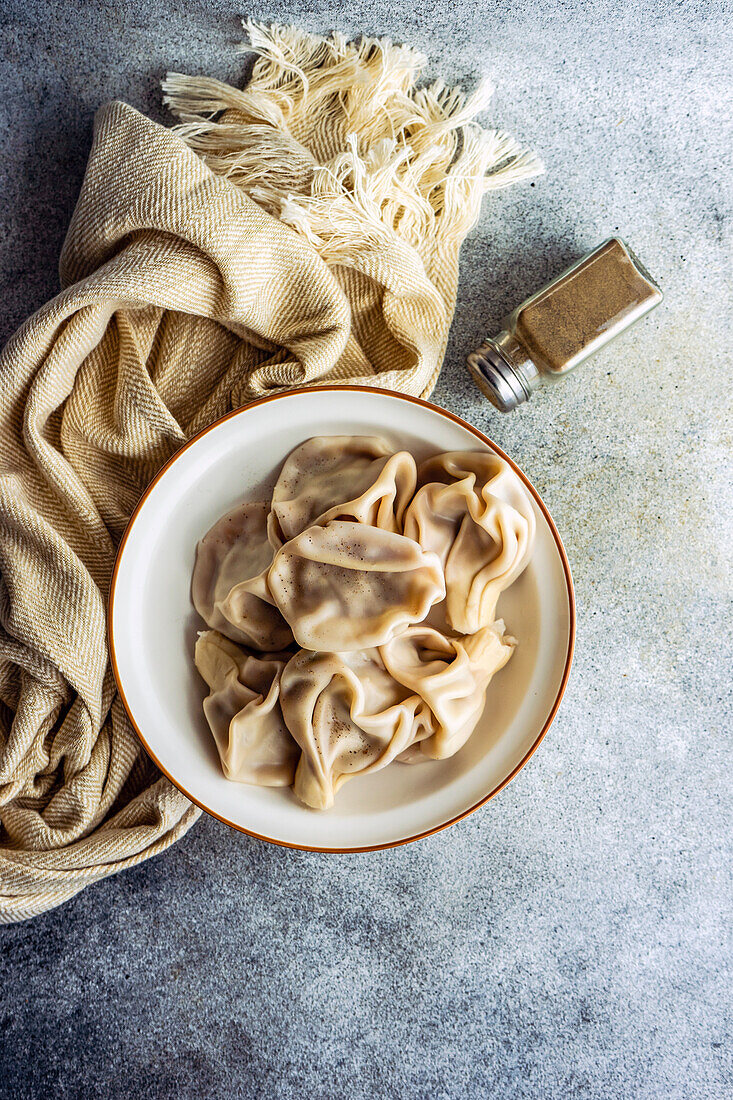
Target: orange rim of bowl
483	439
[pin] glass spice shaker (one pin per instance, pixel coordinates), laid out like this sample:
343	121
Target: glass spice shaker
567	321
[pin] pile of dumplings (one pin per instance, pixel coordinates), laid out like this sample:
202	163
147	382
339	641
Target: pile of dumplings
352	619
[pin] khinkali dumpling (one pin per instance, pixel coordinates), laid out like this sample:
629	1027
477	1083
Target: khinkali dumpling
349	586
349	717
474	513
243	711
229	588
341	477
451	676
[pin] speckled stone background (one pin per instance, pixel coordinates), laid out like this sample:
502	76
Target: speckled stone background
573	938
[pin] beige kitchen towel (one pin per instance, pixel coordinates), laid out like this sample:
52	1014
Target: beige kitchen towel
302	231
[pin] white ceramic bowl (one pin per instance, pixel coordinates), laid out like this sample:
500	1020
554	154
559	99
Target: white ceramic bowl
153	627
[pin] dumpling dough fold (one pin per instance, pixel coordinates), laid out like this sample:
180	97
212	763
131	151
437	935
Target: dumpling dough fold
349	717
451	675
474	513
341	477
243	711
229	588
349	586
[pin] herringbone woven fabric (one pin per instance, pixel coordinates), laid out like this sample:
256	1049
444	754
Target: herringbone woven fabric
303	231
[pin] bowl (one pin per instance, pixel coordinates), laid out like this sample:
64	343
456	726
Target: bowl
153	629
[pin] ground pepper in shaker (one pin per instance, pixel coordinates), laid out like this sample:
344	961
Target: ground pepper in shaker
567	321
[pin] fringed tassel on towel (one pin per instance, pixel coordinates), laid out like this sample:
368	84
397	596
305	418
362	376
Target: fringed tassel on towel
327	118
333	138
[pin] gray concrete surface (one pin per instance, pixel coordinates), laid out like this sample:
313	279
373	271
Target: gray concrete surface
572	939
